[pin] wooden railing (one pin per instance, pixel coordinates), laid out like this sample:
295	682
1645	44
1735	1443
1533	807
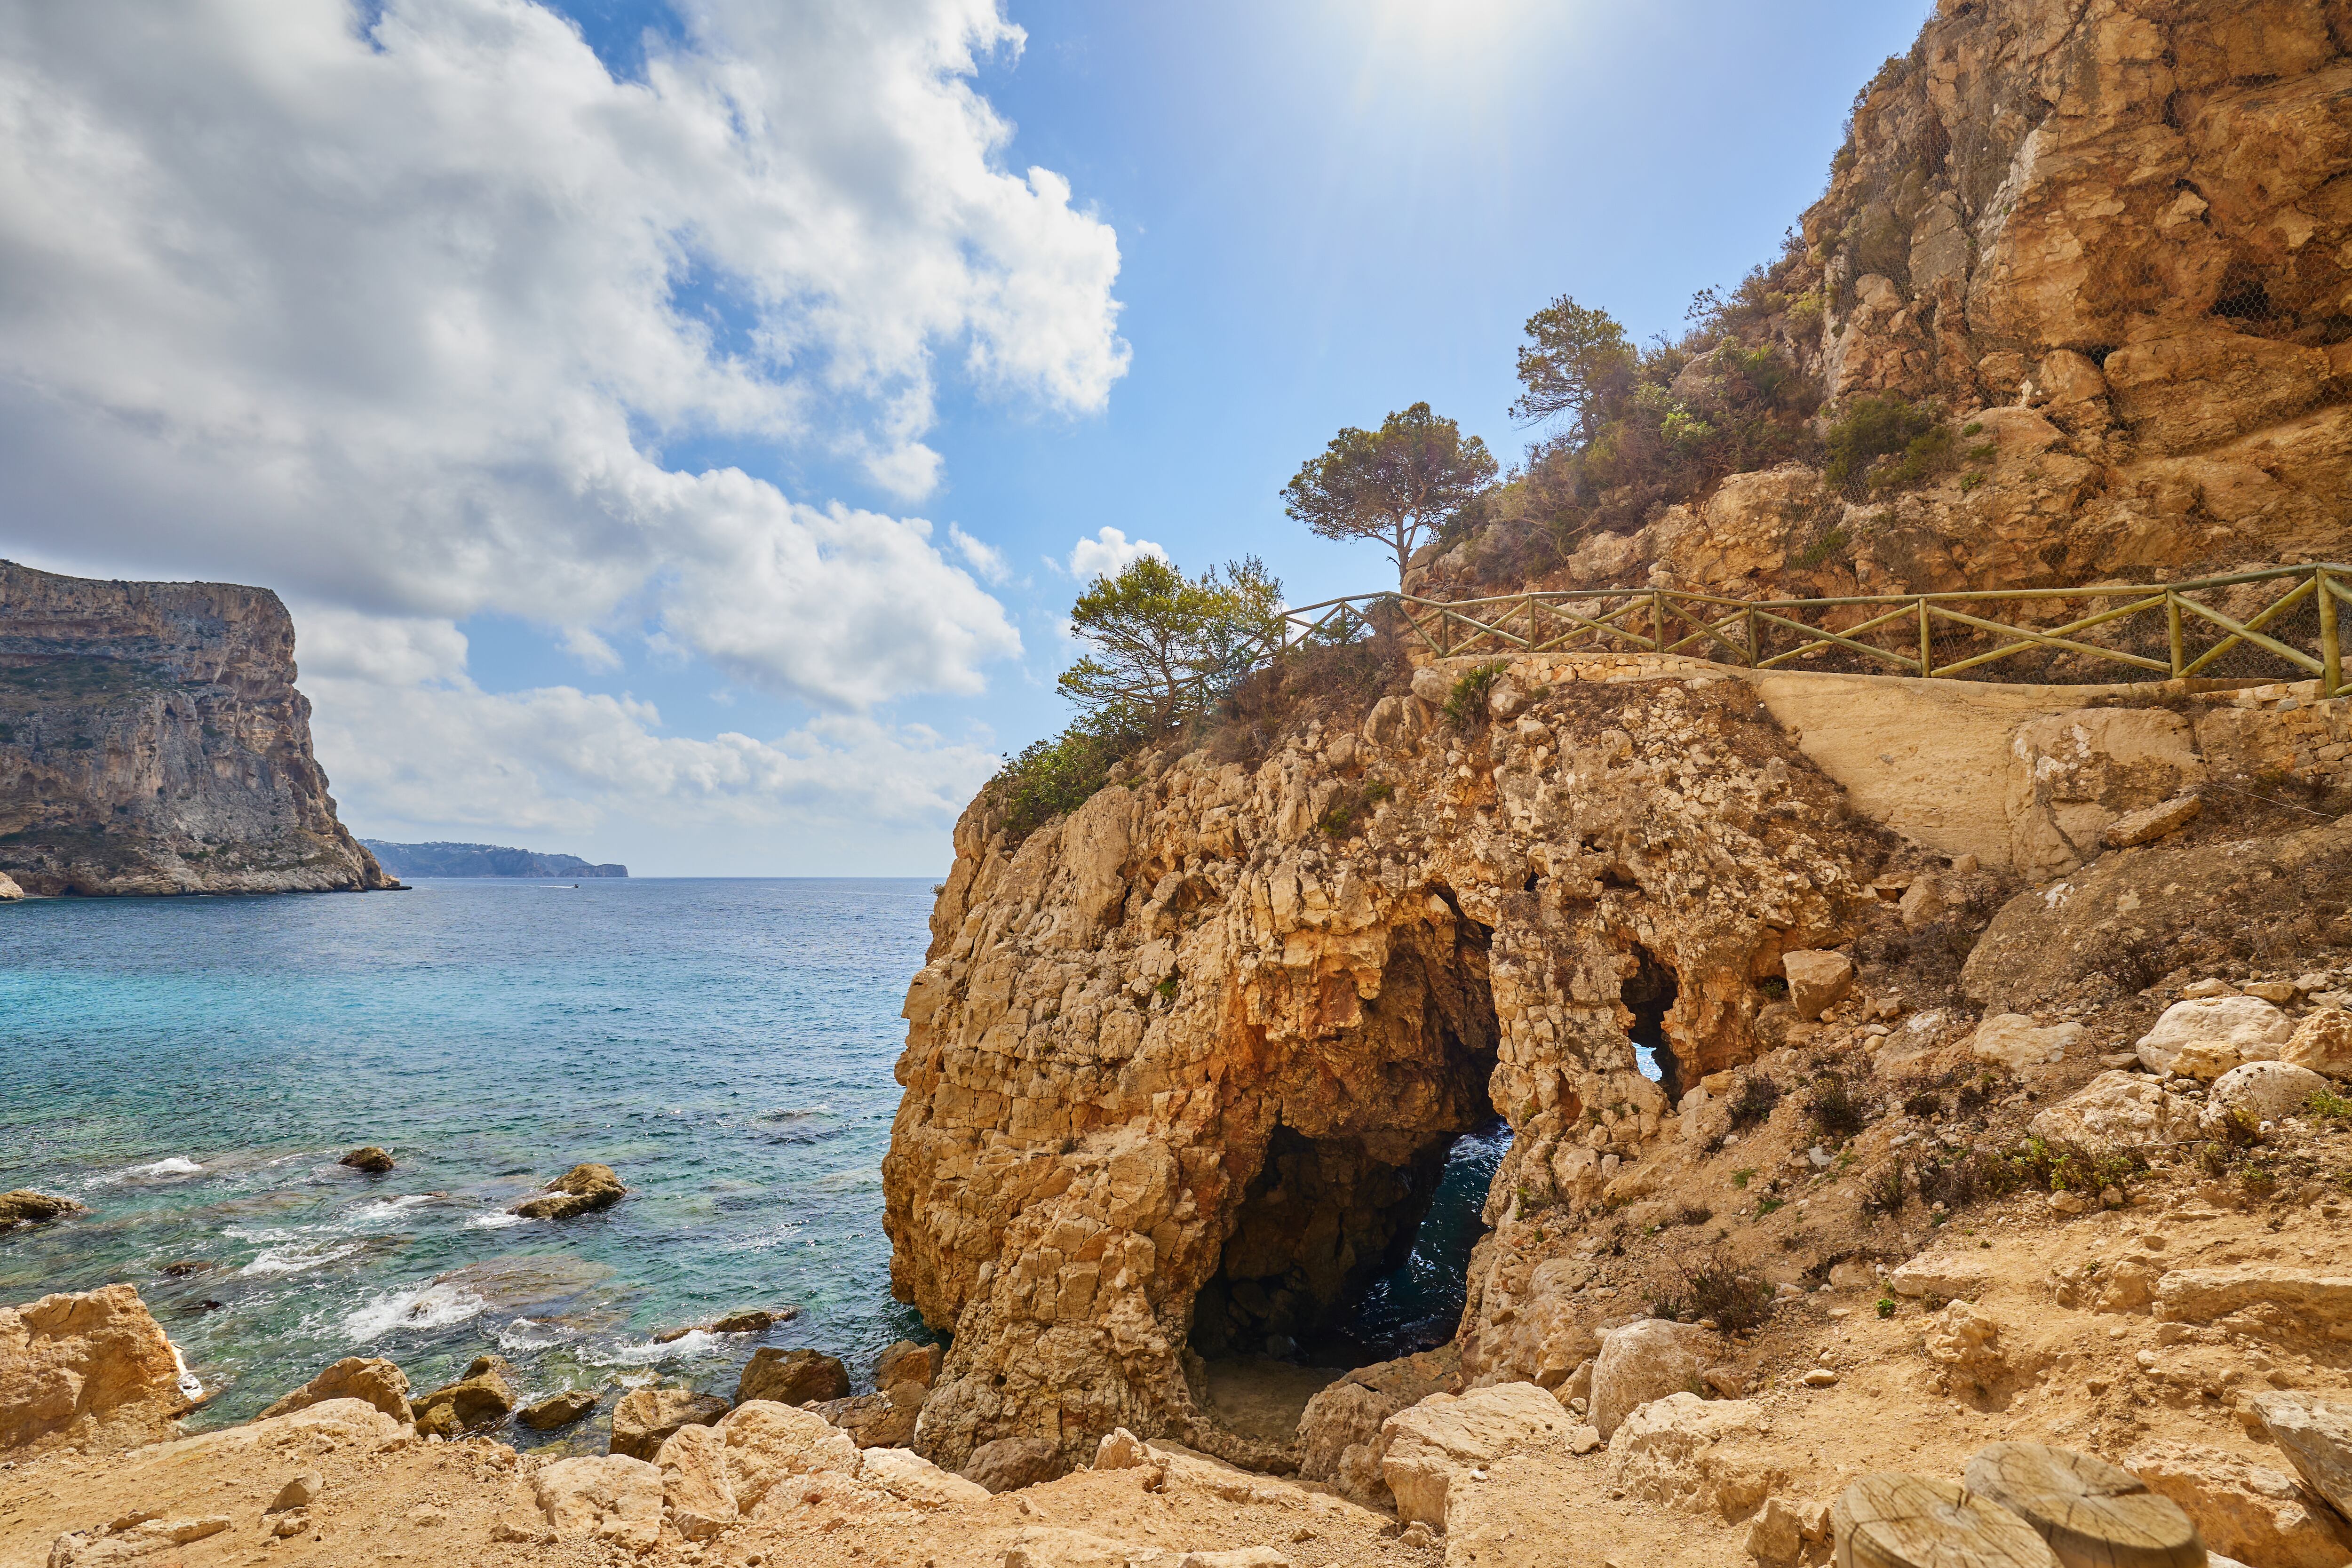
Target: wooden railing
2175	630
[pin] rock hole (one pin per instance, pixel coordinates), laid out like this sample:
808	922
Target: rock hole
1649	994
2242	296
1352	1239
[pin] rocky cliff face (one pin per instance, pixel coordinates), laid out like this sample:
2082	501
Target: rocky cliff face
2111	241
152	741
1182	1064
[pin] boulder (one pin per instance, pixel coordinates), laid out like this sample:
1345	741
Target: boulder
372	1157
1947	1279
1963	1343
75	1359
2116	1111
557	1410
1682	1452
792	1377
646	1417
767	1443
903	1473
1120	1449
873	1420
1445	1435
370	1378
25	1207
2315	1432
2242	1510
1644	1361
1818	979
578	1191
2016	1042
2284	1294
2205	1037
612	1499
1785	1533
2151	823
1339	1432
301	1491
693	1465
910	1367
2322	1043
755	1321
481	1398
1009	1464
2263	1090
1433	685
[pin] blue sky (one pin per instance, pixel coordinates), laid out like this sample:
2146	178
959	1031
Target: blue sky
1322	212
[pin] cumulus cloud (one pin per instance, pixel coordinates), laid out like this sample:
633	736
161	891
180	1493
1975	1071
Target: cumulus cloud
557	760
398	316
1107	553
982	558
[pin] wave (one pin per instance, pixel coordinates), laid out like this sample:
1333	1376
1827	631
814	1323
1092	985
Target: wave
432	1305
696	1342
169	1168
297	1256
380	1211
496	1220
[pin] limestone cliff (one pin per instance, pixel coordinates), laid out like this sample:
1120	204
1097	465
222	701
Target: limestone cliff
152	741
2111	242
1181	1065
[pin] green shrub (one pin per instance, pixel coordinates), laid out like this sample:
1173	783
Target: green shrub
1873	427
1052	776
1465	705
1754	1103
1886	1306
1821	550
2329	1104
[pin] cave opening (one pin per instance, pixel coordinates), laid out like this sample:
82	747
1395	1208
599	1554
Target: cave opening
1649	995
1352	1241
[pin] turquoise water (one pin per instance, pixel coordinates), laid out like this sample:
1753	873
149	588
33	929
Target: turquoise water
191	1070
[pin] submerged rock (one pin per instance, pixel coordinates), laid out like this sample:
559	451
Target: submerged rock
372	1157
25	1207
557	1409
370	1378
580	1190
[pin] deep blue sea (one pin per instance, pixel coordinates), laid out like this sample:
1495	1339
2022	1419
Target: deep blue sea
193	1068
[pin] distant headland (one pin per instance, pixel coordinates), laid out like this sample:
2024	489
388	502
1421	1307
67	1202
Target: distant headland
480	861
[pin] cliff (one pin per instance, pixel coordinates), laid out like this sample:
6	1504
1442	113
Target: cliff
152	741
2106	247
480	861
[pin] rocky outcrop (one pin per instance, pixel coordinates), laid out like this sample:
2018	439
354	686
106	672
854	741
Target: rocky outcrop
1181	1067
152	741
792	1377
86	1364
2107	244
479	1399
646	1418
25	1207
584	1189
369	1379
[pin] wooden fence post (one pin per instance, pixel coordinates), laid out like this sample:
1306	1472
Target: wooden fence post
2331	647
1927	641
2179	638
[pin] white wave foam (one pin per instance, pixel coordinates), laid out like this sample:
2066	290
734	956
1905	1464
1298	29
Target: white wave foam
169	1168
432	1305
297	1256
529	1335
265	1237
494	1221
698	1342
192	1388
382	1211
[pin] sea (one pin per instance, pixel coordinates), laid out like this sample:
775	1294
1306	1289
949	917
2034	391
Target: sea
193	1068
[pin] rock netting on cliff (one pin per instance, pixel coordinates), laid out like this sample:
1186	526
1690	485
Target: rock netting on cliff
152	741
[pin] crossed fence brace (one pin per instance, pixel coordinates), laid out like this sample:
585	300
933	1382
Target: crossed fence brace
1737	631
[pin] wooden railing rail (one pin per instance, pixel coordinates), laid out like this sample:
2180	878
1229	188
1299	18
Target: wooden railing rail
2294	632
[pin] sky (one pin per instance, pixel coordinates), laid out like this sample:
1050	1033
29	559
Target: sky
679	427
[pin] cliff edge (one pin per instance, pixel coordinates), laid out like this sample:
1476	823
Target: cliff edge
152	741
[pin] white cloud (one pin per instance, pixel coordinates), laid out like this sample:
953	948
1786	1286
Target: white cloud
560	761
401	323
1108	553
590	649
982	558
